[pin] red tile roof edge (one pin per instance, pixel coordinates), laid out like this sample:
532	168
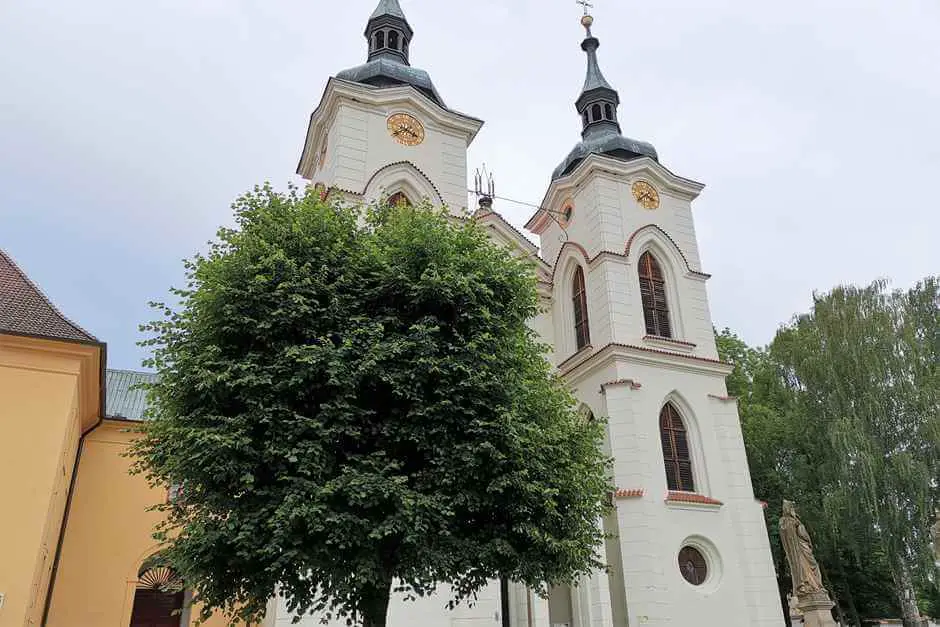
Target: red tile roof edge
726	399
632	493
691	497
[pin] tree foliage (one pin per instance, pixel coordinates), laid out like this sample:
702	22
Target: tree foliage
842	415
353	398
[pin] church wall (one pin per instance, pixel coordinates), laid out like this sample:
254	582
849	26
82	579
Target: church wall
39	431
108	535
426	612
742	589
360	145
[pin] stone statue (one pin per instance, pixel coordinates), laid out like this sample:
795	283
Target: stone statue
935	536
811	598
799	550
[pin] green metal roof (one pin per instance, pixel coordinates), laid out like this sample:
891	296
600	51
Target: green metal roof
126	400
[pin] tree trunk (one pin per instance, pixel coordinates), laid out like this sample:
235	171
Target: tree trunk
375	604
907	597
848	596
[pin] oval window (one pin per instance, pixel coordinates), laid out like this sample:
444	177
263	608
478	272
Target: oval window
693	566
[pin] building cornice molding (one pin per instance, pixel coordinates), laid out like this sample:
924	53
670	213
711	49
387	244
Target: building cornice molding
409	168
615	170
592	360
82	360
658	230
495	221
612	255
338	91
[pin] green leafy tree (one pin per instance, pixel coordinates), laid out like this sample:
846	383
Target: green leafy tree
789	458
864	369
354	404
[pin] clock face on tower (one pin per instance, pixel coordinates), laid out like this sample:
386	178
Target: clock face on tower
646	195
406	129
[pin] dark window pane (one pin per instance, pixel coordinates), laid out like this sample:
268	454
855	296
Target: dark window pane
653	297
579	302
693	566
398	199
676	455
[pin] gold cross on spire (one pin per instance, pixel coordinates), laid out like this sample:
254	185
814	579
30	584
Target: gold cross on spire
587	21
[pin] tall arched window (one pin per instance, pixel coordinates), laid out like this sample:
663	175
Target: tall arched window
579	299
596	113
380	40
158	600
676	450
653	295
393	40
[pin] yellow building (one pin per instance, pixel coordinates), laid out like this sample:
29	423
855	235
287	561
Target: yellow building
75	533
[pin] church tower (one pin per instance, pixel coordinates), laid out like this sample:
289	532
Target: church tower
382	129
632	334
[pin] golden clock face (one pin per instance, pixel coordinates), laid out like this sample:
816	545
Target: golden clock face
406	129
646	195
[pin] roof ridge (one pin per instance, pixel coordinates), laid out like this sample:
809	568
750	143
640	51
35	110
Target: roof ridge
85	335
128	371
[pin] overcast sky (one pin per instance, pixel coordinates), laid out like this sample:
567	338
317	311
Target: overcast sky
128	126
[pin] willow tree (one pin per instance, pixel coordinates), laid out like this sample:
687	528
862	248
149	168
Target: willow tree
353	403
789	458
865	364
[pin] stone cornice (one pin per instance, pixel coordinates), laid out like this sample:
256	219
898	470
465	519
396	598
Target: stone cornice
615	170
339	90
82	360
612	255
511	234
589	360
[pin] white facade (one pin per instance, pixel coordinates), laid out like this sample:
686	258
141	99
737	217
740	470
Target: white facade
350	150
623	374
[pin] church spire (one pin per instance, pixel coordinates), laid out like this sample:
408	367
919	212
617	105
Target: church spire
598	102
388	33
597	106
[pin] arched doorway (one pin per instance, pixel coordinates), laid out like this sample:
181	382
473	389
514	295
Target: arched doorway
158	600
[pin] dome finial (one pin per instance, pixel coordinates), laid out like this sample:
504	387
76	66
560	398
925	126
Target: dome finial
588	20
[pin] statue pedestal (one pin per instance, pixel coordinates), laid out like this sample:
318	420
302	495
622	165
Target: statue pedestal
817	609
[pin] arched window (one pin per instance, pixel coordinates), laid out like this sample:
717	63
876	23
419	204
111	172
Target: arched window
380	40
609	111
158	600
393	39
596	113
398	198
653	295
675	450
579	299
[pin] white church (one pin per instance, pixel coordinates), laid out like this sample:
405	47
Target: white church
626	311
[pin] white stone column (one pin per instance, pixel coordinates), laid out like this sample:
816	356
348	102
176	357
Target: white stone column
540	617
